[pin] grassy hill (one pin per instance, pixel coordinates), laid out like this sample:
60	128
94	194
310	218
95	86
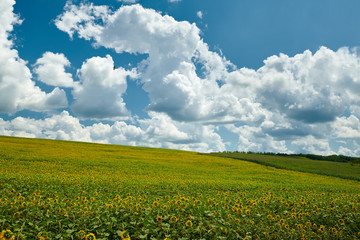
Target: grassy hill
69	190
347	170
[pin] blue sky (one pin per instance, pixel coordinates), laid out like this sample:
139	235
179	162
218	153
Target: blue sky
279	76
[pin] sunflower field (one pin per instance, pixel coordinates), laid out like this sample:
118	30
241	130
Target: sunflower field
67	190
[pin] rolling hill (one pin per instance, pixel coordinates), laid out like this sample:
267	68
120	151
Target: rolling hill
69	190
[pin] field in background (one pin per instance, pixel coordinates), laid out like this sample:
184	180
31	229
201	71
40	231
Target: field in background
347	170
69	190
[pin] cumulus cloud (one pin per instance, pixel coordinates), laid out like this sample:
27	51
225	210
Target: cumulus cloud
17	90
346	152
50	69
199	14
98	95
312	145
253	138
347	127
311	88
303	99
286	105
79	18
181	135
346	131
176	52
61	126
157	131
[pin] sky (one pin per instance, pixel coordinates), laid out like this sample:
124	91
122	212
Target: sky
198	75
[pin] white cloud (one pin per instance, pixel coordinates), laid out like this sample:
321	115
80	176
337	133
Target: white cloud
346	152
199	14
347	127
346	130
174	49
252	138
312	145
157	131
61	126
302	98
186	97
161	132
71	20
7	20
187	136
50	69
291	104
280	106
17	90
257	139
98	95
308	87
174	0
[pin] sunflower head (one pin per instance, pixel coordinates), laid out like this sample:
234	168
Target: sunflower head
81	234
159	218
321	228
90	236
189	223
43	235
123	237
7	235
173	219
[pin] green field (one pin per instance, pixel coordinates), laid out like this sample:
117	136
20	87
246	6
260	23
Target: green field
347	170
69	190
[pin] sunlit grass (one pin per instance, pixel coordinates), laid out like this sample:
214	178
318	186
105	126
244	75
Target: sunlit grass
67	190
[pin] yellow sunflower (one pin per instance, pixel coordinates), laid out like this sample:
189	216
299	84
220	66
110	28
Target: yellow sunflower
81	234
123	237
90	236
173	219
7	235
189	223
41	236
